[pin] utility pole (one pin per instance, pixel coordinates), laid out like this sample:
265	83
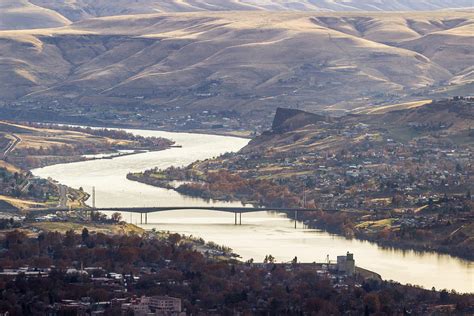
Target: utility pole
296	217
304	206
93	203
304	198
93	197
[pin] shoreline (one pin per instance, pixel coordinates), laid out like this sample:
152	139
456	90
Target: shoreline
359	237
399	254
227	133
113	156
51	160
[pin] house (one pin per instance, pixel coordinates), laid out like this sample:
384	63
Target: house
353	173
69	307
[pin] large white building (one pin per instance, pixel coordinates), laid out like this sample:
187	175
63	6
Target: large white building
154	305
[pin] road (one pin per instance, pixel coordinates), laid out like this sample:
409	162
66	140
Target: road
144	210
62	189
11	145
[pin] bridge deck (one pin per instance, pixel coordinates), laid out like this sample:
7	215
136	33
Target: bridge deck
144	211
192	208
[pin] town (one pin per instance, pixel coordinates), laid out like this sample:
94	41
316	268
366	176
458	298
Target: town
236	157
97	274
410	188
138	114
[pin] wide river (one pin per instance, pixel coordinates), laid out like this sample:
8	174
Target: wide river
260	233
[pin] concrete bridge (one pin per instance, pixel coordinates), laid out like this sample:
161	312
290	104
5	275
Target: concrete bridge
144	211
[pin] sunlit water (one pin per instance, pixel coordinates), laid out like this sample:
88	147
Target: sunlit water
260	233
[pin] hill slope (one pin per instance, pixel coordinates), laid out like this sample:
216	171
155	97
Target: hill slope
442	121
80	9
25	14
250	63
21	14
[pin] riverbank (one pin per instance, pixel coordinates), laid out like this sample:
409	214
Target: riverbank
245	134
260	233
34	224
113	269
42	144
390	238
29	146
91	157
410	183
384	228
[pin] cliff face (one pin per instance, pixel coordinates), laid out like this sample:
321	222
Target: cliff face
287	126
290	119
296	130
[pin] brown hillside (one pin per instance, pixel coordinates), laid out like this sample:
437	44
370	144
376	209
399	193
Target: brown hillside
249	62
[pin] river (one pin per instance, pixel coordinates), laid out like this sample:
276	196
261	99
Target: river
260	233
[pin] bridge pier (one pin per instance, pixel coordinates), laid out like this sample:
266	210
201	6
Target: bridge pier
141	218
240	219
146	218
235	218
296	217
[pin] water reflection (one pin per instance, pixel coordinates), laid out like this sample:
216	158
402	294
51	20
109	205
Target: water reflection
261	233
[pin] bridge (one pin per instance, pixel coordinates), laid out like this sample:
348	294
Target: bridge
144	211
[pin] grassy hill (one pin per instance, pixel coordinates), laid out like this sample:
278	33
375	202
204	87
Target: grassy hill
22	14
438	121
251	62
81	9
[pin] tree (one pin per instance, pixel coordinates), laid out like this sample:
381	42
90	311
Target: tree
174	238
396	199
116	217
269	259
69	239
444	296
85	234
372	300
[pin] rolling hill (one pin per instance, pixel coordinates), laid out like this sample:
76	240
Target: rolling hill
26	14
80	9
178	58
21	14
301	132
